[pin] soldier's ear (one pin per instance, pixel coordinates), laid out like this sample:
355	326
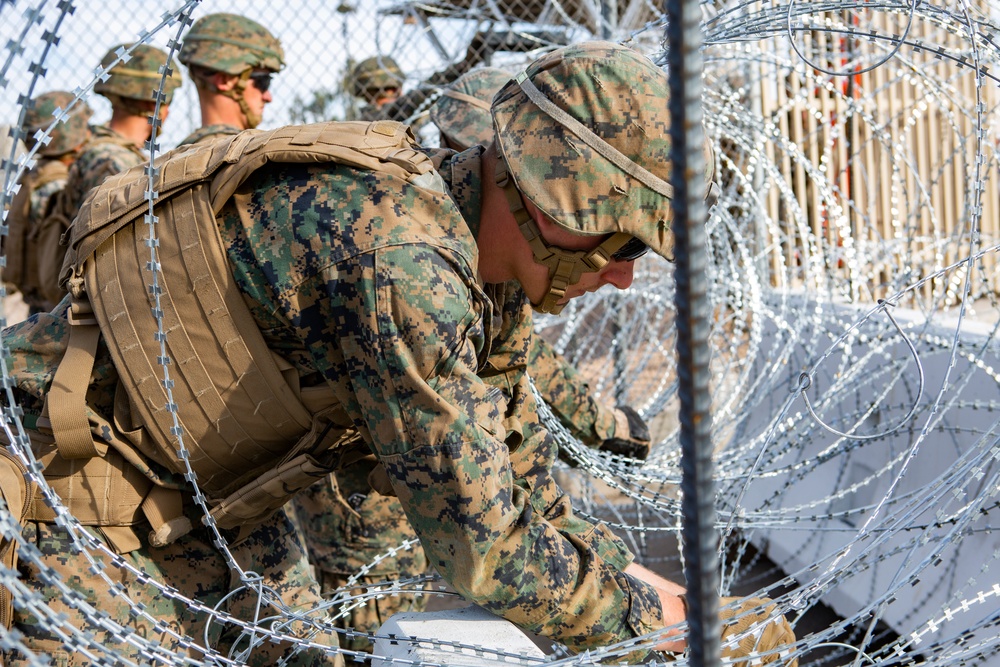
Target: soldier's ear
223	81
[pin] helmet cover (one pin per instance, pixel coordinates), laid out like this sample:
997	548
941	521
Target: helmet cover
622	97
139	77
232	44
372	76
65	136
462	113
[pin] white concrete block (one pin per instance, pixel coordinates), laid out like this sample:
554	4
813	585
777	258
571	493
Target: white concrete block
431	637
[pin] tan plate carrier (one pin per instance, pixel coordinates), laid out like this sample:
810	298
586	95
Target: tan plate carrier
252	436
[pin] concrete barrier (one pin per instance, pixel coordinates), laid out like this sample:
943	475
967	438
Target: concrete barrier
467	637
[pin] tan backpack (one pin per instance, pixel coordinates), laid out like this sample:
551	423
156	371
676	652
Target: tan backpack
253	437
27	242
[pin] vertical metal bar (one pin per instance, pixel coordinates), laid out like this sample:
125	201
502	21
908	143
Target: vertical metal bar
693	325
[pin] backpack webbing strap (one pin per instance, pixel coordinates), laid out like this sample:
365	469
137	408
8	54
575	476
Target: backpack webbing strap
66	401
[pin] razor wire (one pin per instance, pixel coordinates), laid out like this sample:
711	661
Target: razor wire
877	496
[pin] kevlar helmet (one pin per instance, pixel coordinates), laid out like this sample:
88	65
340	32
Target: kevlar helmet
232	44
138	78
462	113
373	76
66	135
583	133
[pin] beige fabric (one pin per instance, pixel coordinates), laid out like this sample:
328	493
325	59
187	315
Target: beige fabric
253	438
65	404
27	244
16	489
761	634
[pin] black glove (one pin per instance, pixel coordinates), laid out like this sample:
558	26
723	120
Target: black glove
631	435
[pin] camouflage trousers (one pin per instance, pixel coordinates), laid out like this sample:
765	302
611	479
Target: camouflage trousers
346	526
192	566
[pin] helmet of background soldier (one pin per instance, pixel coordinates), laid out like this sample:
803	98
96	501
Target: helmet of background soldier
588	89
232	44
462	113
138	78
372	76
65	136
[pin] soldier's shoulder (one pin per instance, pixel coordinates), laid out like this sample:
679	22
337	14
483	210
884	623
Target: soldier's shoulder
209	133
104	158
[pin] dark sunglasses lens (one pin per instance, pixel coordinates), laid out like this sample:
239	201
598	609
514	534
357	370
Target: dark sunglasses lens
633	249
262	81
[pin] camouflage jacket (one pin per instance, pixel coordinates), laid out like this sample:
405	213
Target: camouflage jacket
568	395
209	132
430	364
107	153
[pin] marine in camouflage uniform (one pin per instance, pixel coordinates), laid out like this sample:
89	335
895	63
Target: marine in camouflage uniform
231	59
462	115
369	285
378	83
131	87
346	526
32	247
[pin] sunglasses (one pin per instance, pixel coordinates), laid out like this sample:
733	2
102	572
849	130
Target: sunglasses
262	80
632	250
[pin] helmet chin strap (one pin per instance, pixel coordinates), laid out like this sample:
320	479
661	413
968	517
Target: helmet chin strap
236	93
565	266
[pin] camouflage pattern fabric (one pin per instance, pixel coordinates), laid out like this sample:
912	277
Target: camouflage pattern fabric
191	565
346	525
610	90
208	133
108	153
371	77
462	113
369	283
232	44
139	78
568	395
407	362
67	135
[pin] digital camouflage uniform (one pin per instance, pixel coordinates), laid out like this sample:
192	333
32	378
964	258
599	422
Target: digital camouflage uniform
128	83
107	154
346	525
32	247
366	282
373	76
462	115
192	564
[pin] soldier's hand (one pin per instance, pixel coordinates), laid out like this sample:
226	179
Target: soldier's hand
753	627
631	435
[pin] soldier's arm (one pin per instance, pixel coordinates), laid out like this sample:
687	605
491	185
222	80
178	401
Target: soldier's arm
596	423
568	395
439	430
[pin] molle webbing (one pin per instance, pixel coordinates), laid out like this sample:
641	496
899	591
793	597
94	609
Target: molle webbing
240	419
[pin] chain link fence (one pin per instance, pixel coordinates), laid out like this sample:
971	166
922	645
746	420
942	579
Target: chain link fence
322	41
